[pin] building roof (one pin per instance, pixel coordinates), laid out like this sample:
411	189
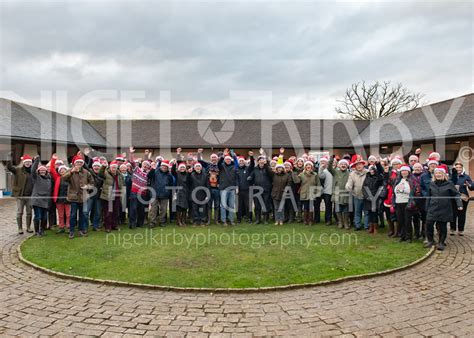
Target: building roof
446	119
231	133
25	122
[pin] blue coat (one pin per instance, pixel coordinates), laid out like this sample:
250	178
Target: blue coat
159	181
461	179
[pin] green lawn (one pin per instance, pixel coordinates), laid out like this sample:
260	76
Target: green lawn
236	257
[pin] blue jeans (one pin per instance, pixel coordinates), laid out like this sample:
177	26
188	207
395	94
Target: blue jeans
279	210
227	204
358	210
95	207
75	209
41	214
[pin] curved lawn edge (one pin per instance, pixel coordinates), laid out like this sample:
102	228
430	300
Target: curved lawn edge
218	290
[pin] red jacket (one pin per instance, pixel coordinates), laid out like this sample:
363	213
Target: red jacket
56	177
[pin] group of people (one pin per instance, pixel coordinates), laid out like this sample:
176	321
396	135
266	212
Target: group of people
413	198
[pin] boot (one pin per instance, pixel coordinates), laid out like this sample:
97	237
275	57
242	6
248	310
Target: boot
374	228
346	220
265	218
395	230
36	224
183	218
258	217
28	223
310	218
209	215
391	228
216	216
42	227
340	225
178	218
19	222
299	217
305	217
371	228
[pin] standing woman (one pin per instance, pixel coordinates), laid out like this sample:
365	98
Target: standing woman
280	181
309	190
462	181
41	195
182	189
371	189
111	195
340	195
439	206
60	195
402	191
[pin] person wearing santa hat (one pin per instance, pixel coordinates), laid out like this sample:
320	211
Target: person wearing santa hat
113	190
161	184
244	209
139	192
354	186
60	195
427	176
419	215
212	170
390	178
412	160
228	186
440	198
340	196
41	195
21	190
298	168
371	190
261	188
291	204
280	183
94	204
199	192
80	181
327	182
309	191
402	203
180	199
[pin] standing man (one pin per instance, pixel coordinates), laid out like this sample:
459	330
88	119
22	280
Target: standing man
244	208
161	182
326	180
138	192
354	185
227	186
22	189
212	170
80	180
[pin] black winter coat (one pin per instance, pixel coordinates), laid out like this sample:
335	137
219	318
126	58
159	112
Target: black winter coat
198	181
372	185
440	204
243	174
182	183
227	175
262	177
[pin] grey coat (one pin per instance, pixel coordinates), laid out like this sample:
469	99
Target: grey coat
42	186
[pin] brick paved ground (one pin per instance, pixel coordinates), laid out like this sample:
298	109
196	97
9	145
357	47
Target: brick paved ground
431	299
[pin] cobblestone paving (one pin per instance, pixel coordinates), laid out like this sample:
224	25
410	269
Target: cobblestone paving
435	298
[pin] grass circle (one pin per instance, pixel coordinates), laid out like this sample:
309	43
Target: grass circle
243	256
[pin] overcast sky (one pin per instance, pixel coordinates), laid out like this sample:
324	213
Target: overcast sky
223	59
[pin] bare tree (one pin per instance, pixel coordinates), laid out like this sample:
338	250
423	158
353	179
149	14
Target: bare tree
370	101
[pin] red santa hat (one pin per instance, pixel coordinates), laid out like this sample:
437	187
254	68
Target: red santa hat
181	164
309	162
324	158
241	158
77	158
432	160
113	164
435	155
41	167
26	158
166	163
197	164
343	161
405	167
396	160
413	157
372	158
146	162
58	162
62	167
96	164
288	163
275	158
120	158
214	155
280	165
228	157
440	168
